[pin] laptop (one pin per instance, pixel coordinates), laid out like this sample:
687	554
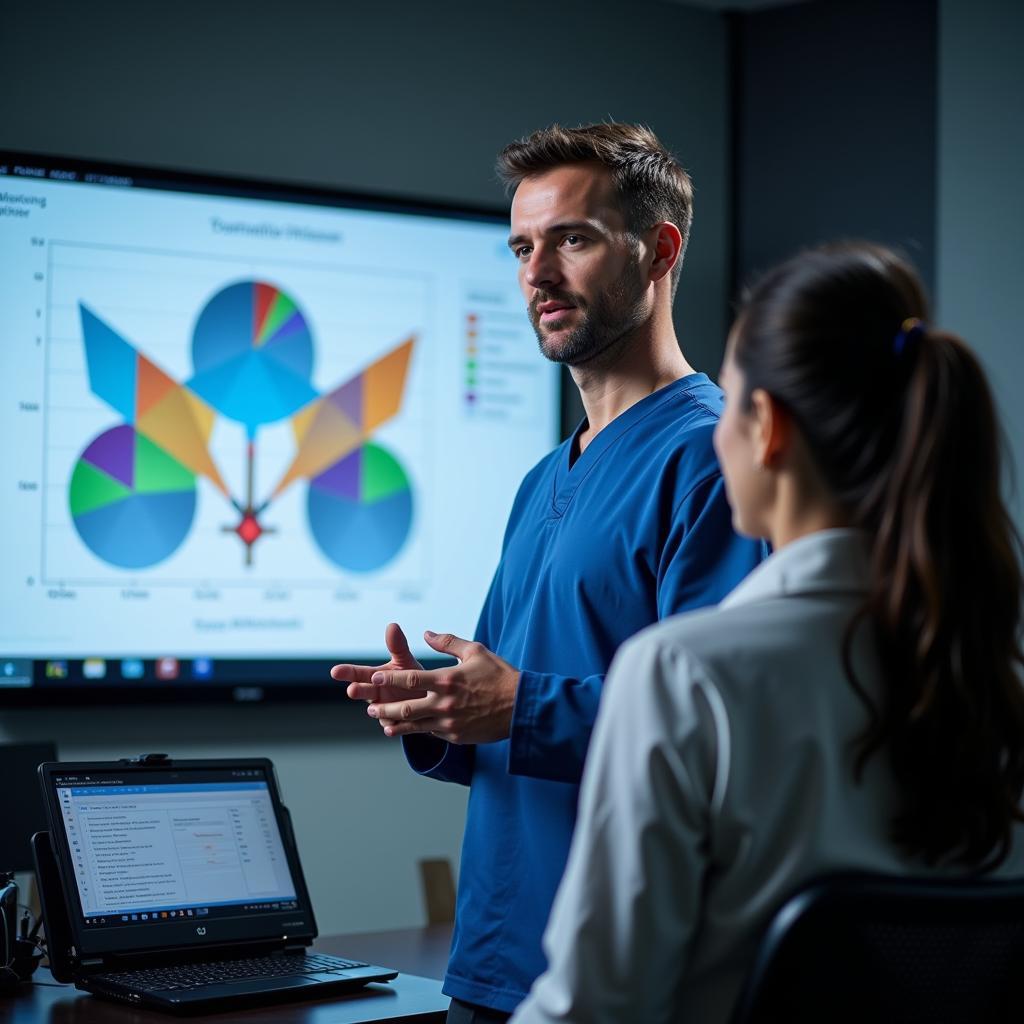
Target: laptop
176	885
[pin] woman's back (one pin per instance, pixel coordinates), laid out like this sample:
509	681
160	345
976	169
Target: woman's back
719	780
788	808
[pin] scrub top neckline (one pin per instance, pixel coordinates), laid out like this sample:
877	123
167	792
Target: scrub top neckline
569	477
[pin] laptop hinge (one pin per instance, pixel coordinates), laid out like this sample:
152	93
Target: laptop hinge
168	957
295	947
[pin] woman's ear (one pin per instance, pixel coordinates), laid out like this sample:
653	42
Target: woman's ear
773	429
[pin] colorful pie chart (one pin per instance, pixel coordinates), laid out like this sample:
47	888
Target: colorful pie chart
360	509
253	354
131	502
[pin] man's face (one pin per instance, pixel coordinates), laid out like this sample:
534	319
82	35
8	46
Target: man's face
579	268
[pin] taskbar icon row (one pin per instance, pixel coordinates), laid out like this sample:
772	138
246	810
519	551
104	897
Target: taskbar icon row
148	917
179	913
128	670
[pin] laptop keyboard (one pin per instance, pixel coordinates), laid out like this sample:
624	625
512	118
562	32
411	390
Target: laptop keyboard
185	976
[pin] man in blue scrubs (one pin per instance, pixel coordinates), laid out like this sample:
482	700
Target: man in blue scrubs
623	524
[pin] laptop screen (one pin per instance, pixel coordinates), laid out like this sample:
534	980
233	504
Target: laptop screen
168	856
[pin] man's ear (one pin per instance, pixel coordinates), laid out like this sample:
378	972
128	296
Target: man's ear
668	246
773	429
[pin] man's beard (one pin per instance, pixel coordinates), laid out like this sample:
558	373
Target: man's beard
605	325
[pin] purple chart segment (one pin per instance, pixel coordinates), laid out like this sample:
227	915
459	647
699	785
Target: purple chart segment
114	453
342	479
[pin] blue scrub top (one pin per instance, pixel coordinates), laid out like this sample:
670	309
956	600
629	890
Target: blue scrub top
635	529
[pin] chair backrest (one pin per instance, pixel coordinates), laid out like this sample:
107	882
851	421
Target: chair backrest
438	890
876	949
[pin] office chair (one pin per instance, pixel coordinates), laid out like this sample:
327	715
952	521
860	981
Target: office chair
877	949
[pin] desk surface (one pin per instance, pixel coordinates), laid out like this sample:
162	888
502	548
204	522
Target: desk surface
414	996
422	951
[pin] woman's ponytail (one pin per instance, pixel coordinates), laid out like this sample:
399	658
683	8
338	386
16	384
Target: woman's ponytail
945	604
901	423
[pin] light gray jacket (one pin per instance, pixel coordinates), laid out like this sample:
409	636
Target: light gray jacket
718	780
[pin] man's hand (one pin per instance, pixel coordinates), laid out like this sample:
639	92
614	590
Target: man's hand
470	702
359	676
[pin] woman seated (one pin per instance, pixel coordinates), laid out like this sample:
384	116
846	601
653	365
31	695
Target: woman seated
853	705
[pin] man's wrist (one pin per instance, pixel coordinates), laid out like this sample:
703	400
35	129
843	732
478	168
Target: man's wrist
521	725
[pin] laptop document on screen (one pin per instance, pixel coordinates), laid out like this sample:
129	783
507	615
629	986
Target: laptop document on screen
183	886
175	849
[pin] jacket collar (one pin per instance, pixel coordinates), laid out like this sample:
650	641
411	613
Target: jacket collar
829	561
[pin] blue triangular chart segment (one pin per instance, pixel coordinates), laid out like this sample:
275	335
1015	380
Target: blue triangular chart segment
246	389
111	363
139	531
214	384
224	329
291	346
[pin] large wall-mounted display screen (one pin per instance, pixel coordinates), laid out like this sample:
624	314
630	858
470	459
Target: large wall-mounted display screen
245	426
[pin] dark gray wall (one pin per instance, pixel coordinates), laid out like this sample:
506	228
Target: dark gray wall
397	96
900	122
980	202
409	98
836	129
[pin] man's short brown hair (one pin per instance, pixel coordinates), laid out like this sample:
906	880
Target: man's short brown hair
650	183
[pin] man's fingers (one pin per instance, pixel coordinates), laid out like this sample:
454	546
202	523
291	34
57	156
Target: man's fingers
397	643
449	643
407	679
353	673
442	728
404	711
410	728
372	693
362	691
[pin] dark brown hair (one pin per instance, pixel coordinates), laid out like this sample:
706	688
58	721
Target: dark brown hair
902	425
650	183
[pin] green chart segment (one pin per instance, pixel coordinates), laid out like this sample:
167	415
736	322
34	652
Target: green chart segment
131	502
360	509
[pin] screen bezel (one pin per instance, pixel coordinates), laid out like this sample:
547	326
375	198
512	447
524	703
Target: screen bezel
240	680
107	943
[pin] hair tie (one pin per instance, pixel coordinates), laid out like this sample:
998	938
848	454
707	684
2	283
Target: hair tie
911	329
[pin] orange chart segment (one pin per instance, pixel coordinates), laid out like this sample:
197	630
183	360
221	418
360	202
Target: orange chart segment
152	384
383	386
347	414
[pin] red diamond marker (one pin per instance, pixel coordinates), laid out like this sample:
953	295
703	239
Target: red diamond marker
249	529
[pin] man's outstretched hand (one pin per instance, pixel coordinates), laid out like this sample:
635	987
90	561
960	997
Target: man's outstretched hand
359	677
470	702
